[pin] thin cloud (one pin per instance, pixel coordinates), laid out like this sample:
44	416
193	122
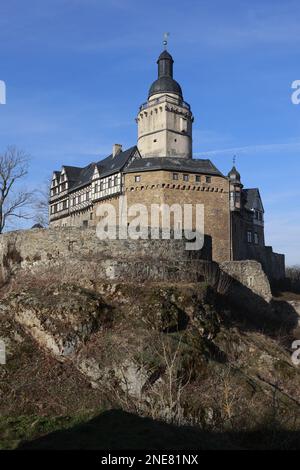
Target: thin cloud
251	149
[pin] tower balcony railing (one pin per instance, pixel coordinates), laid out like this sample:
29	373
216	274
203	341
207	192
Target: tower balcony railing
163	99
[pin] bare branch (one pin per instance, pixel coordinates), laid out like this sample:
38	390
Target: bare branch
13	167
41	205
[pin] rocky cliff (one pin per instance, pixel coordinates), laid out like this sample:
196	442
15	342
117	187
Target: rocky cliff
207	351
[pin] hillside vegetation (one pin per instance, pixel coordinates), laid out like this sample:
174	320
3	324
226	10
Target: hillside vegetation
203	370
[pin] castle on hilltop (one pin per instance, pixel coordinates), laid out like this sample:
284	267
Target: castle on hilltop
161	169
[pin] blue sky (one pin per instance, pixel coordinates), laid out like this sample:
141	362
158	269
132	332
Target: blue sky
76	72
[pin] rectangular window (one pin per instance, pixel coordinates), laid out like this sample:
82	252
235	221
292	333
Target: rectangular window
79	199
185	177
183	125
208	179
137	178
175	176
249	236
109	182
198	179
256	239
101	186
115	181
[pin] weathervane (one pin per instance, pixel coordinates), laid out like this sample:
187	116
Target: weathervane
234	160
165	41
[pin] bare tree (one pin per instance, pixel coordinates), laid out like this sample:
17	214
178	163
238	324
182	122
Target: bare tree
41	204
13	201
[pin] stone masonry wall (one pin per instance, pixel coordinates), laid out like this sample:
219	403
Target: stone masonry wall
159	187
250	275
30	248
79	253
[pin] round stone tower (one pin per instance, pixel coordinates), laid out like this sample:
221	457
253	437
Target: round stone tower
165	120
235	189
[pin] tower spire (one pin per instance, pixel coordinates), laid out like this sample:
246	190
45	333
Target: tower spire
165	41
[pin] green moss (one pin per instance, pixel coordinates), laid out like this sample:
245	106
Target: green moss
14	430
285	370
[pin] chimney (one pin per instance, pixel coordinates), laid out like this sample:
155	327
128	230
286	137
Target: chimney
117	148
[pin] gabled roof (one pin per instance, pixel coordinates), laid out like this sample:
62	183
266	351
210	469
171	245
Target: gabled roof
173	164
250	197
110	164
78	177
72	172
81	177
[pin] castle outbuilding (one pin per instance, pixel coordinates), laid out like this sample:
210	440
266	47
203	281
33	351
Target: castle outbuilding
161	169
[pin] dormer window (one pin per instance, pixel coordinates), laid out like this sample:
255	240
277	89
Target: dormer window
258	215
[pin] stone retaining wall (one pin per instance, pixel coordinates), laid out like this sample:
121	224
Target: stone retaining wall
79	251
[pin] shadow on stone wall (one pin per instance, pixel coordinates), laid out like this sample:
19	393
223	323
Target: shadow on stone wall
253	312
